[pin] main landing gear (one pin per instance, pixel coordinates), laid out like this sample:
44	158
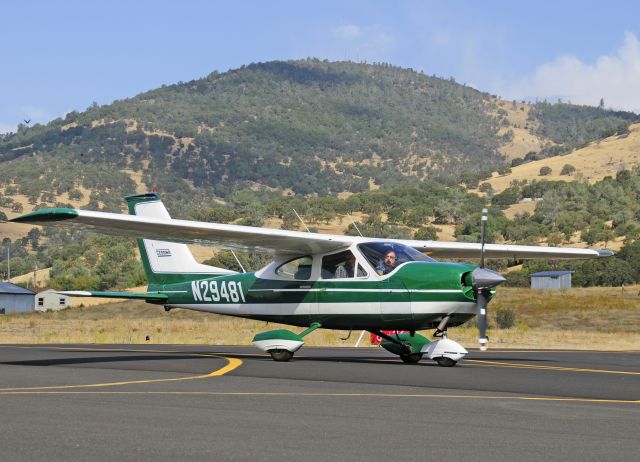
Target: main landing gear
281	355
281	344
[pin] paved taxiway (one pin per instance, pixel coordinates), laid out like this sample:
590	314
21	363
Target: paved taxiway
114	402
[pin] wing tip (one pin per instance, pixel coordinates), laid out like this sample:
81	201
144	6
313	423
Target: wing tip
46	215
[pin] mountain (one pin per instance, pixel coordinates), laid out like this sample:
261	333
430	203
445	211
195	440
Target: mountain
301	128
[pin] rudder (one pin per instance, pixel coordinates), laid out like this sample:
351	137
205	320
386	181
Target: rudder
166	262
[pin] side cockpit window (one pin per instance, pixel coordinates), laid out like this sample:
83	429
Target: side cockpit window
341	265
296	269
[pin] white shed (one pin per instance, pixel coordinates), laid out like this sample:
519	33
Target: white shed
51	300
551	280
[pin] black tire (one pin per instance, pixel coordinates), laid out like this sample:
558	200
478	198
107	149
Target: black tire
281	355
411	358
446	362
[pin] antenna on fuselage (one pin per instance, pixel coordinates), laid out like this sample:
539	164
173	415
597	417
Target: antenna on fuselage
238	261
301	221
354	224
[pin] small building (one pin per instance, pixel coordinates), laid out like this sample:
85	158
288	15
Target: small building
51	300
16	299
551	280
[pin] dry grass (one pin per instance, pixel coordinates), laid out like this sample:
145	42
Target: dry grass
602	318
41	278
523	140
519	209
593	318
592	162
132	321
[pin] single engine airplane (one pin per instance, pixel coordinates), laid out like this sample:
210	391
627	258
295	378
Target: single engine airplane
315	280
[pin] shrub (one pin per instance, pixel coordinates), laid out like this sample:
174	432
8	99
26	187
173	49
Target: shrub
505	318
544	171
567	169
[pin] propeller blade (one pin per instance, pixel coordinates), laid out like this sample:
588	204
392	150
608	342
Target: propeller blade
483	235
481	308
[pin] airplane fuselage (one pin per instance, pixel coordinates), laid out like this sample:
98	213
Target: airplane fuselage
415	296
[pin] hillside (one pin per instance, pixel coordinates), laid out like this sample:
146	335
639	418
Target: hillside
298	127
385	146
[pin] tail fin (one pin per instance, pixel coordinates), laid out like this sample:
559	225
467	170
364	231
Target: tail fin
166	262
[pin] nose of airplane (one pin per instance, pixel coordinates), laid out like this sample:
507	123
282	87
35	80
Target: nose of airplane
484	278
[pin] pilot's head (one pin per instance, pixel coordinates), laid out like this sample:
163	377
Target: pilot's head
390	258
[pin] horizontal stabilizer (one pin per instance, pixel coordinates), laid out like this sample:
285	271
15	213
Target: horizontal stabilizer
154	296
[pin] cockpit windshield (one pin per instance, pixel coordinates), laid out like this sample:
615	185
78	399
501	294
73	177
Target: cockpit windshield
384	257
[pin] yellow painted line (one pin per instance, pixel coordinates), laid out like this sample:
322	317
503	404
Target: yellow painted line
232	363
481	362
326	395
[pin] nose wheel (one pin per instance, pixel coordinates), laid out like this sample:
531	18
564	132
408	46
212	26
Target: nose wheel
446	362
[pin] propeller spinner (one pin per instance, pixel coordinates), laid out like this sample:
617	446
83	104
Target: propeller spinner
483	281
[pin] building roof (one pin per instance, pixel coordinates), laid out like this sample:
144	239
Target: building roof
11	288
550	273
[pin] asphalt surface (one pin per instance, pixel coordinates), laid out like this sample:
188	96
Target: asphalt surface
167	402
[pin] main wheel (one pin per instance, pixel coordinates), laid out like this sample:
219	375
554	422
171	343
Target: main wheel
446	362
281	355
411	358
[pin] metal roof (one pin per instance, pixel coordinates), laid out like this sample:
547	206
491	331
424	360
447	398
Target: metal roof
550	273
10	288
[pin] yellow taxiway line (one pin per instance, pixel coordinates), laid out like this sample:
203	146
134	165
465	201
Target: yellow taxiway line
482	362
326	395
232	363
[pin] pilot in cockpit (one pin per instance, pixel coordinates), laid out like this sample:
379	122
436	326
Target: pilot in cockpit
388	264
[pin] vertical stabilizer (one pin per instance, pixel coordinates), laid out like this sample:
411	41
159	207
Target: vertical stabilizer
166	262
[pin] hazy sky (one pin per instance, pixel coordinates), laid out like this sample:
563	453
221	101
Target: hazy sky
58	56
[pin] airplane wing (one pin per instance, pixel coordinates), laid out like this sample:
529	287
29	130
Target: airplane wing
516	252
276	240
191	232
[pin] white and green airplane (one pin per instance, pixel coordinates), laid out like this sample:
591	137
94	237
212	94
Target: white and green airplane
315	280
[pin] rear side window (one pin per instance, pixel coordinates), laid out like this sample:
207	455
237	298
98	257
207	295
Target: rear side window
298	268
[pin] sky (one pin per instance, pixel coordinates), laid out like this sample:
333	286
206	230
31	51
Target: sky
58	56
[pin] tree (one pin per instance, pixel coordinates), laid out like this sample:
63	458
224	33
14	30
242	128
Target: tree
545	171
567	169
426	233
486	188
597	232
507	197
